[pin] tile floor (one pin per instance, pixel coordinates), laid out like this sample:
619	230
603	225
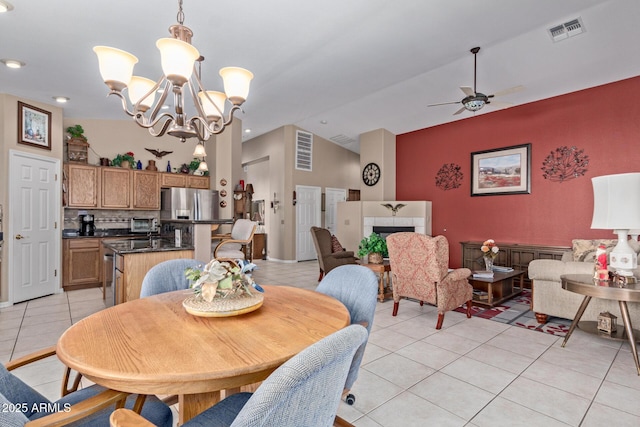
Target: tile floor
473	372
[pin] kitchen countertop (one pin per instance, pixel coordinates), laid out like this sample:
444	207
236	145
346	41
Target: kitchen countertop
134	246
110	232
198	221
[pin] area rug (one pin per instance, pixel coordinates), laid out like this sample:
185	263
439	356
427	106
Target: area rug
516	311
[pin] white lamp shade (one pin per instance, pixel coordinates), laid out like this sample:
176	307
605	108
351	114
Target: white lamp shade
139	87
116	66
616	201
177	59
203	166
210	110
236	83
199	151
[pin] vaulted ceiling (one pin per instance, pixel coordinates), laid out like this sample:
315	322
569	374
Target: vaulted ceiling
334	67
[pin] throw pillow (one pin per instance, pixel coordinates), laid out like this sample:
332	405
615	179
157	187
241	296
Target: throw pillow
584	250
335	244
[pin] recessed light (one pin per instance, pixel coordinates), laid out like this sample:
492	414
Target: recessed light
5	6
61	99
247	131
13	63
324	122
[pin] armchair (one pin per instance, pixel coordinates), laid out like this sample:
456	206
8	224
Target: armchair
90	406
327	259
241	236
420	270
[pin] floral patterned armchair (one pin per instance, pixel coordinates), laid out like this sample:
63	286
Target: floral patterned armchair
420	270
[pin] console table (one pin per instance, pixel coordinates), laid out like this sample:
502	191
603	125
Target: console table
514	255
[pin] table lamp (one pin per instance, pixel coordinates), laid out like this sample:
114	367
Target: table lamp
616	206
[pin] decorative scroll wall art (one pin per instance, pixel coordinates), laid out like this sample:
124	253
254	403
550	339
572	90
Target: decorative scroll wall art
449	177
565	163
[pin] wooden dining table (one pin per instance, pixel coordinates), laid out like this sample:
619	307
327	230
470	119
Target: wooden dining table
153	346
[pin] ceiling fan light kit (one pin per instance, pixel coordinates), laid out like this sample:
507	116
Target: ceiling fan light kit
180	78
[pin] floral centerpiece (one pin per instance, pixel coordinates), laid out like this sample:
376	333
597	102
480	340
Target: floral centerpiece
489	252
126	157
223	289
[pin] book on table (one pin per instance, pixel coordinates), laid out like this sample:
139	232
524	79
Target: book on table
482	274
502	269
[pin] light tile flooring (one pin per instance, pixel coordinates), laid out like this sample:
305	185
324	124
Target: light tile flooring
473	372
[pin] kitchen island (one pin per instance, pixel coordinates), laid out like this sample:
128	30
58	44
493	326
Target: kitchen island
134	258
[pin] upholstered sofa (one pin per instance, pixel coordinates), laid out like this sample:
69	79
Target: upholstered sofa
549	299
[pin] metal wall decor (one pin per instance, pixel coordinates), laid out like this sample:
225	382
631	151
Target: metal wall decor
449	177
565	163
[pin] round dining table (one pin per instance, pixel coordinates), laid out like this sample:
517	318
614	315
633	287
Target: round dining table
153	346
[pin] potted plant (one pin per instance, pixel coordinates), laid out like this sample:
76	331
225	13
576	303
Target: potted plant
375	247
76	132
193	166
125	160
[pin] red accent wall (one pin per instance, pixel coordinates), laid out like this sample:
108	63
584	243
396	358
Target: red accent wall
604	121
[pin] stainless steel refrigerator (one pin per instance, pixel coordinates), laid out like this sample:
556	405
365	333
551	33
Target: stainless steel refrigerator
188	203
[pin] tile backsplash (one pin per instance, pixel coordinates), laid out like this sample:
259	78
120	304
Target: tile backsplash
106	219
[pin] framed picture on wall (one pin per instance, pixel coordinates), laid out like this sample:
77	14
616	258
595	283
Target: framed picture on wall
34	126
501	171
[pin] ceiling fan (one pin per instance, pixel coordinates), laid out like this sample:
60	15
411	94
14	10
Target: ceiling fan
474	100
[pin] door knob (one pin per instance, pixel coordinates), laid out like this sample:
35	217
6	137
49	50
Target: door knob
19	236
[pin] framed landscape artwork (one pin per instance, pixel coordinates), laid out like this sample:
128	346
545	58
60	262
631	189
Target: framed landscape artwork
34	126
501	171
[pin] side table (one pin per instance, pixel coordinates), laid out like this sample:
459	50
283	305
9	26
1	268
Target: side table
384	288
586	285
499	288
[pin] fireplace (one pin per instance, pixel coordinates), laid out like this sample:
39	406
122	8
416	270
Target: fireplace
385	230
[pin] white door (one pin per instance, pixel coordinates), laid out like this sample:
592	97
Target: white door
307	215
332	197
34	233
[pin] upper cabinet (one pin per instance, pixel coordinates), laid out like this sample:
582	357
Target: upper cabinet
201	182
92	187
184	181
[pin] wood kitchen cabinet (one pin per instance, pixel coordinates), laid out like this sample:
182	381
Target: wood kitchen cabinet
82	263
115	188
81	186
146	190
202	182
168	180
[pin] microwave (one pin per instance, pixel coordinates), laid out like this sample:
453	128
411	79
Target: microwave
144	225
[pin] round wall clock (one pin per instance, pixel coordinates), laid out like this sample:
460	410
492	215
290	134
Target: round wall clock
371	174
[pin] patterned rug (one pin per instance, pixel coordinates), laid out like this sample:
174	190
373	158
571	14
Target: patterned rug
516	311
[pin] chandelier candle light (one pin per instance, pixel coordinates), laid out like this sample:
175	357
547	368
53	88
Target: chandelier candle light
489	253
178	59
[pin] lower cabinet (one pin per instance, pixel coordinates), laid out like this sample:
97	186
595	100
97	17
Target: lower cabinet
82	263
259	246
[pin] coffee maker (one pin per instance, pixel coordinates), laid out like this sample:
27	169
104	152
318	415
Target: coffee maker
87	226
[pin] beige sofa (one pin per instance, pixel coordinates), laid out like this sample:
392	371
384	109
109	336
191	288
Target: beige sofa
549	299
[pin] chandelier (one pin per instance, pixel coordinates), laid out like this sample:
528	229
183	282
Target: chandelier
179	59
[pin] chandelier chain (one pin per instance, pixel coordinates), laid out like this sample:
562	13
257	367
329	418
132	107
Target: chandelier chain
180	16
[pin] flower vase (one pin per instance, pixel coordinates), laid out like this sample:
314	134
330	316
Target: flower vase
375	258
125	164
488	263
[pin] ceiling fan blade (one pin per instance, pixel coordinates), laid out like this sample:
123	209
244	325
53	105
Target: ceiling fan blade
509	91
499	104
467	90
460	111
443	103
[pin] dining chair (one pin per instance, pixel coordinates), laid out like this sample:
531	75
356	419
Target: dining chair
168	276
241	236
329	256
420	270
90	406
304	391
357	288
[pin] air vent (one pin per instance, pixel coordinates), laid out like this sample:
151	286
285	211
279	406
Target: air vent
342	139
566	30
304	150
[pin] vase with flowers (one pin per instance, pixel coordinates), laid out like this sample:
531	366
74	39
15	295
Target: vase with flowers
489	253
125	160
223	288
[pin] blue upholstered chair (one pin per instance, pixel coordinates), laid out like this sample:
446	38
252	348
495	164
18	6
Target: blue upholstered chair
97	402
357	288
303	392
168	276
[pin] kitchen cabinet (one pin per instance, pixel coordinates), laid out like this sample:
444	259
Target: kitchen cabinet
82	263
81	186
168	180
146	190
115	188
241	204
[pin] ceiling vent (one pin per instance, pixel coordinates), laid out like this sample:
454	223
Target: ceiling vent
342	139
566	30
304	150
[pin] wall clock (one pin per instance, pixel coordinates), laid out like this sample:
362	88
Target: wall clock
371	174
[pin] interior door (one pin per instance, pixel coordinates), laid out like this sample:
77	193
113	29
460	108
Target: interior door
307	215
332	197
34	234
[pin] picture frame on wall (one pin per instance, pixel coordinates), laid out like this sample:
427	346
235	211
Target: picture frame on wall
34	126
501	171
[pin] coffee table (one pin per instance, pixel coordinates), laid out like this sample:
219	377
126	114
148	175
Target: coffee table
384	289
586	285
499	288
